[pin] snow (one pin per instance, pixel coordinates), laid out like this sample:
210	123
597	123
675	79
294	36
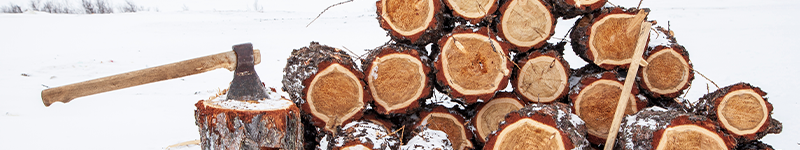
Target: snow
427	140
736	41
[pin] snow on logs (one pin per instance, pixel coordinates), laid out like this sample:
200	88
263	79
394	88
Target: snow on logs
540	126
450	122
326	84
526	23
417	22
742	110
542	76
470	65
358	135
397	77
661	129
608	38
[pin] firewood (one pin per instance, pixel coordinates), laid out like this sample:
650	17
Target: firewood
658	128
540	126
471	65
542	76
608	38
361	135
669	70
526	24
397	77
425	138
573	8
417	22
451	122
595	99
474	11
264	124
742	110
326	84
491	113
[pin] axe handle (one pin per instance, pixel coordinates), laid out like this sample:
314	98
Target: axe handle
149	75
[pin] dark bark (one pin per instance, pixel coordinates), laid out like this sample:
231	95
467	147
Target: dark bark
557	115
401	79
645	129
709	104
242	128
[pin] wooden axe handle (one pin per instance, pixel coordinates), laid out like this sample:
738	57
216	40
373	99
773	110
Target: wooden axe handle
149	75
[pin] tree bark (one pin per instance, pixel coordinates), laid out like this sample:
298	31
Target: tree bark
491	113
540	126
658	128
397	77
541	76
573	8
452	123
595	98
755	145
669	70
327	86
526	24
412	22
742	110
470	65
361	135
425	138
474	12
597	39
264	124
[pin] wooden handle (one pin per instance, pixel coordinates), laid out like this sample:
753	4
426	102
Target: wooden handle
184	68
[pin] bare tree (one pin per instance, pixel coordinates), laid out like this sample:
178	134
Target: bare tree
12	8
103	7
88	7
35	5
131	7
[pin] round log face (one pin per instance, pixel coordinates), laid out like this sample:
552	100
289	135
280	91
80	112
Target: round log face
355	147
542	79
529	134
492	113
582	3
597	102
608	45
408	17
472	8
335	94
473	65
742	111
396	81
667	72
526	23
452	126
690	137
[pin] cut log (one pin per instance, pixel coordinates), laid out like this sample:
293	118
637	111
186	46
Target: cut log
359	135
540	126
669	70
452	123
609	37
526	24
397	77
425	138
470	65
417	22
595	99
661	129
264	124
326	84
542	76
742	110
573	8
474	11
492	112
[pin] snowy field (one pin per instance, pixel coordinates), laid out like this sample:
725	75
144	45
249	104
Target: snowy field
728	41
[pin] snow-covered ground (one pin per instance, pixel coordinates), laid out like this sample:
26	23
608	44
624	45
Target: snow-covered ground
729	41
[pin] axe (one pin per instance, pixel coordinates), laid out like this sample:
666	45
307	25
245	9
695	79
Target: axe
240	60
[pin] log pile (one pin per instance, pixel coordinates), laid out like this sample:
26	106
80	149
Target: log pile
441	83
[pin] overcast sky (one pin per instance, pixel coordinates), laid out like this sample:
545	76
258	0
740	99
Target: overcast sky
195	5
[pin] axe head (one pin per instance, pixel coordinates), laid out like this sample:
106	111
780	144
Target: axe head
246	86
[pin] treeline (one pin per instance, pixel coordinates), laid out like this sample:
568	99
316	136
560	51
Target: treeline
67	7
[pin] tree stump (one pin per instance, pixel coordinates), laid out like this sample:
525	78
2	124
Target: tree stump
470	65
540	126
264	124
452	123
425	138
397	77
595	99
669	70
326	84
361	135
609	37
417	22
491	113
542	76
526	24
742	110
473	11
658	128
573	8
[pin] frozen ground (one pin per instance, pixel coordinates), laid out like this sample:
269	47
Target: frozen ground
729	41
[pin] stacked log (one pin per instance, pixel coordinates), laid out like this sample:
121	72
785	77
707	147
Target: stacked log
491	113
417	22
542	75
361	135
397	77
596	37
658	128
472	12
548	126
669	70
526	24
451	122
742	110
